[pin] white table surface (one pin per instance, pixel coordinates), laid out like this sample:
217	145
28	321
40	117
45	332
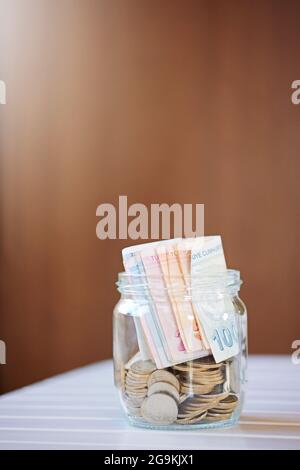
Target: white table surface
80	410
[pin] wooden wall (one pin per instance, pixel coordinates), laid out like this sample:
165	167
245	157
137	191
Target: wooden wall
164	101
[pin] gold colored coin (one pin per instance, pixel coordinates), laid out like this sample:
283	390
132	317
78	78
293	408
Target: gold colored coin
192	419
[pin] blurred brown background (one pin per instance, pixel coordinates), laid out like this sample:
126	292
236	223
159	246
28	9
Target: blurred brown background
163	101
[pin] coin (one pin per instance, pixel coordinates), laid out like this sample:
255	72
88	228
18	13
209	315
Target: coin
143	367
217	412
181	367
190	413
164	387
182	397
197	405
188	387
161	375
131	408
135	412
195	420
134	394
217	417
231	398
219	396
136	385
192	419
137	376
135	402
205	361
159	408
207	381
187	393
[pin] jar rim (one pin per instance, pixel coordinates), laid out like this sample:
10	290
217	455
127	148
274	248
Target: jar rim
221	281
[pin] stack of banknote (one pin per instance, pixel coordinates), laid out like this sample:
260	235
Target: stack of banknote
181	313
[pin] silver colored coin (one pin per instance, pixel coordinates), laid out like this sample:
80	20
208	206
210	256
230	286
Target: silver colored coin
135	412
164	387
143	367
159	408
135	376
130	384
134	393
136	402
161	375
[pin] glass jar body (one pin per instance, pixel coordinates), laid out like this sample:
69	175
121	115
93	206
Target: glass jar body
197	393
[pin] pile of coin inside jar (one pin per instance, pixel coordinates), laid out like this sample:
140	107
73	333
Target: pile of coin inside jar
187	393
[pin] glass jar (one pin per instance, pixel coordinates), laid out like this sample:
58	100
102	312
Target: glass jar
205	390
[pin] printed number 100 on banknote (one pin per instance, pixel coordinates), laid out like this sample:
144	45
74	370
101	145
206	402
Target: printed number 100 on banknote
219	322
